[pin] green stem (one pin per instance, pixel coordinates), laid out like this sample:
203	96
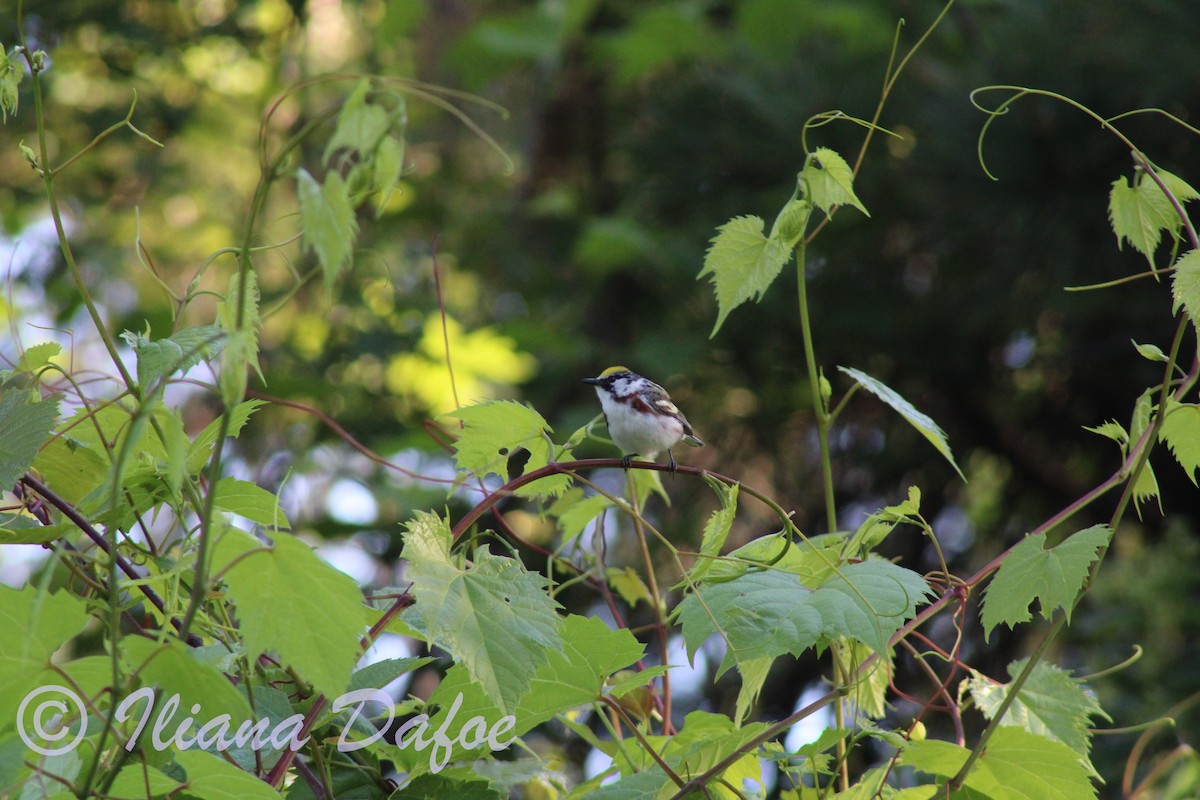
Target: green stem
814	390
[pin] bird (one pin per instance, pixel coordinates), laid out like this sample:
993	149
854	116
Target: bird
642	420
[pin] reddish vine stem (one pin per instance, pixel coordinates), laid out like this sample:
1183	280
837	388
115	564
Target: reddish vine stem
122	563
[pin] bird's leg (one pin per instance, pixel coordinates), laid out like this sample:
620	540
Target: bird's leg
672	467
626	462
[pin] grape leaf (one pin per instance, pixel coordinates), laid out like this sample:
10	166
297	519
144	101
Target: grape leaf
494	616
24	426
1181	431
319	634
1051	703
716	531
177	353
37	356
830	181
924	425
1017	765
202	446
576	515
241	331
1185	287
743	263
1140	212
250	501
770	613
492	431
327	216
172	667
210	777
361	124
33	625
1053	577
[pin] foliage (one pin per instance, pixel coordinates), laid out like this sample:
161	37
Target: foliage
179	583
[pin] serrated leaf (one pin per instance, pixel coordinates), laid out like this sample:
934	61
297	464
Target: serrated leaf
141	780
1185	286
629	585
924	425
1017	765
716	530
24	427
769	613
754	673
381	673
494	616
1139	212
572	520
830	181
492	431
792	222
1053	577
1146	488
38	356
743	263
389	165
251	501
177	353
240	351
202	446
361	124
329	224
1112	430
319	634
1181	432
1051	703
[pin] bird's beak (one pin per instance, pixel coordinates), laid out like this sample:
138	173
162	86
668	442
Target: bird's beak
592	381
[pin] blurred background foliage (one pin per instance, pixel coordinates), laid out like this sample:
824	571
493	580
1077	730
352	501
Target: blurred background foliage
629	130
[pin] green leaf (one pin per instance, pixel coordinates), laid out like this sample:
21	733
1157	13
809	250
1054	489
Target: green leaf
769	613
743	264
389	165
493	616
361	124
716	531
329	224
12	69
171	667
492	431
202	446
924	425
1140	213
1150	352
1052	703
24	427
250	501
178	353
38	356
830	181
754	673
573	518
1181	431
319	634
1112	430
212	778
1017	765
241	332
1052	577
629	585
33	625
1185	286
792	222
141	780
381	673
875	528
72	468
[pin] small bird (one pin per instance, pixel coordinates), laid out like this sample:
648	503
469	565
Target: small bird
641	418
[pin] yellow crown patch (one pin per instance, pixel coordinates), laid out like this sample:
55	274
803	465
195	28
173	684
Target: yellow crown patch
613	370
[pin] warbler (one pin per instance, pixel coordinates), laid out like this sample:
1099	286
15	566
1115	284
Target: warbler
642	420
